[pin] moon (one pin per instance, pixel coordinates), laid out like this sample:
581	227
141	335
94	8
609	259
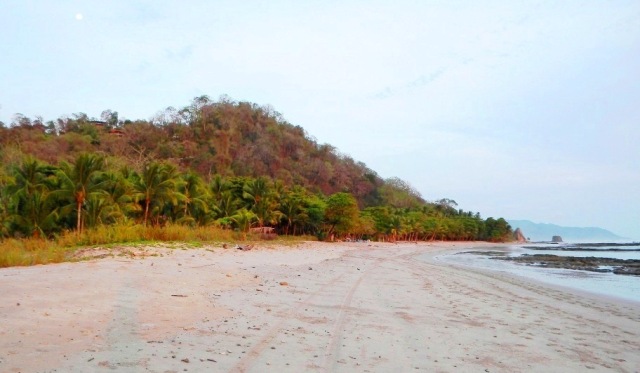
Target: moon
79	16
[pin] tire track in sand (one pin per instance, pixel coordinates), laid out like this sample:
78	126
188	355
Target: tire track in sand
333	348
294	312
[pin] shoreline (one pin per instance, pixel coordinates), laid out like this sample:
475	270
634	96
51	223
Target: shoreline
309	307
537	275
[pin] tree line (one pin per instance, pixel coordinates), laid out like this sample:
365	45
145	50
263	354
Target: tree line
38	199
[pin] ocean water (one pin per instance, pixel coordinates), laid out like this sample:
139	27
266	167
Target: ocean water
625	287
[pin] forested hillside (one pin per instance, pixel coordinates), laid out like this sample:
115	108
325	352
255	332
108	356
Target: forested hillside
223	163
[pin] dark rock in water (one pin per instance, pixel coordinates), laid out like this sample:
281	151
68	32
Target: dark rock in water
556	239
519	236
592	264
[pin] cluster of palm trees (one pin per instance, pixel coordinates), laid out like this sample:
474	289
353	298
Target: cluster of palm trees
40	200
432	221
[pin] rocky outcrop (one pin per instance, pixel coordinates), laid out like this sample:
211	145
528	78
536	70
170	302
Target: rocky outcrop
519	236
592	264
556	239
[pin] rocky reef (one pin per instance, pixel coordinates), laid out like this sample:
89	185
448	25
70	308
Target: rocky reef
592	264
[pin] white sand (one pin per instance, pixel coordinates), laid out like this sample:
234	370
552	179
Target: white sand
359	307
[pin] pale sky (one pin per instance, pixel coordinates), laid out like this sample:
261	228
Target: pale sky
518	109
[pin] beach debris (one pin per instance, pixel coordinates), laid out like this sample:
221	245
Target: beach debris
185	360
214	361
179	295
284	283
244	248
224	246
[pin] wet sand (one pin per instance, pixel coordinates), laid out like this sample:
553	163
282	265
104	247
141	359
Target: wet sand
317	307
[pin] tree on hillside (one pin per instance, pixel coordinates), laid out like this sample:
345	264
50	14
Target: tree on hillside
399	193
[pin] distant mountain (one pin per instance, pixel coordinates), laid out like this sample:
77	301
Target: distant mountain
544	232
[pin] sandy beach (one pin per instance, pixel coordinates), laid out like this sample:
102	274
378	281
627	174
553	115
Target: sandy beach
314	307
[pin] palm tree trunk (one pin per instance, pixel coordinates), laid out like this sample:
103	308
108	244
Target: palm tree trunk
79	217
146	211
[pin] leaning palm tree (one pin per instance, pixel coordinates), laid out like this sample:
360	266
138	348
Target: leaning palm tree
78	182
157	185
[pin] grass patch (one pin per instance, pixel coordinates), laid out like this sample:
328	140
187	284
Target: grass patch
32	251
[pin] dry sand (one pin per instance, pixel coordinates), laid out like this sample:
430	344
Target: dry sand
357	307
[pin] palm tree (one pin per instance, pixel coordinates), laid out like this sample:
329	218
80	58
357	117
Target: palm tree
99	210
261	201
40	214
218	186
32	175
157	186
6	202
244	220
119	195
32	208
195	196
226	206
291	209
255	191
79	181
